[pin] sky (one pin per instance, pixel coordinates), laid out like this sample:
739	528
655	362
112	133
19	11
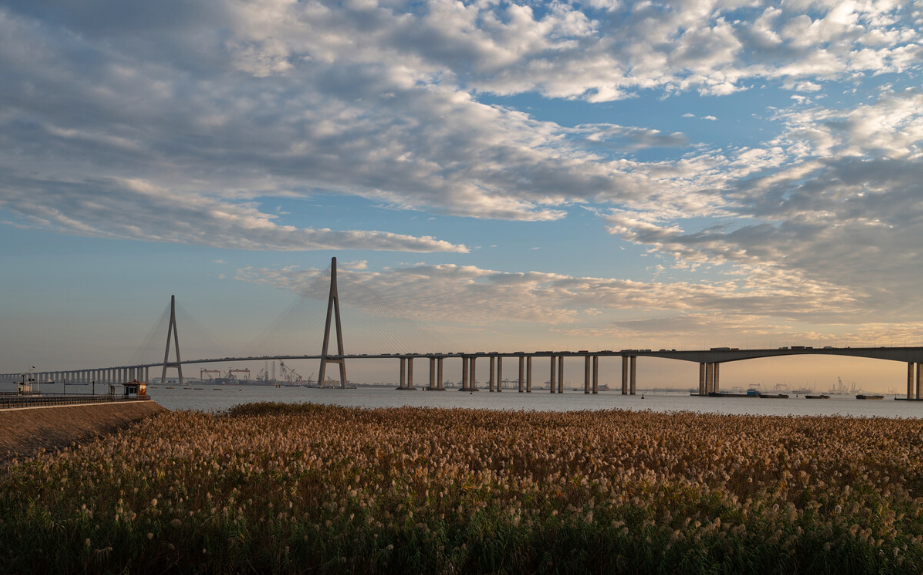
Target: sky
490	175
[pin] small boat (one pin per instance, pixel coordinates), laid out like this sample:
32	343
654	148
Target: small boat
863	396
821	396
774	396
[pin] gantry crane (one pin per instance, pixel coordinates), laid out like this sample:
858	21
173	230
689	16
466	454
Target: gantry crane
231	373
206	373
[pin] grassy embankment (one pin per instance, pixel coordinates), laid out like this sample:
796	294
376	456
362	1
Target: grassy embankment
282	488
24	432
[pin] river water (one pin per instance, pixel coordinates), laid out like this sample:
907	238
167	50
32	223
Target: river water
211	397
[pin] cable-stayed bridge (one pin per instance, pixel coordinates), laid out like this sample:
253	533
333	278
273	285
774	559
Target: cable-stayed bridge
524	364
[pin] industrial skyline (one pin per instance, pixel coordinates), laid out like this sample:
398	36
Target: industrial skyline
584	175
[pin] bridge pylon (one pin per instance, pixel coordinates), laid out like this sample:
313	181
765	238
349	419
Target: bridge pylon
333	310
166	354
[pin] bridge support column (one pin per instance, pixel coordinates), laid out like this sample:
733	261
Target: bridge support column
561	374
702	388
624	375
473	386
493	371
709	378
717	378
552	377
440	383
409	373
464	374
432	373
595	374
587	365
634	374
919	369
522	373
529	374
499	373
911	375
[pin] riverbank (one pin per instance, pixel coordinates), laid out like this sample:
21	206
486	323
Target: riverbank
24	432
311	488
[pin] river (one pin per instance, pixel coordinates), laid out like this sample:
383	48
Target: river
213	397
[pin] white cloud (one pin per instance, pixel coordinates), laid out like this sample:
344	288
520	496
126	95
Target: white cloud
438	292
832	206
135	209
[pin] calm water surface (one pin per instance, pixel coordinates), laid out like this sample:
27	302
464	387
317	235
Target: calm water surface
205	397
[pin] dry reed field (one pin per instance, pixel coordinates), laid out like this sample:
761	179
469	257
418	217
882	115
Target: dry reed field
320	489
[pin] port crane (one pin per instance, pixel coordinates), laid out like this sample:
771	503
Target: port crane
205	374
290	376
231	373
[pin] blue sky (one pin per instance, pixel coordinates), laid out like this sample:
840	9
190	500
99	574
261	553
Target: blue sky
548	175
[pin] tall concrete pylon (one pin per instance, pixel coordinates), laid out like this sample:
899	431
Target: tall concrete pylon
333	308
166	354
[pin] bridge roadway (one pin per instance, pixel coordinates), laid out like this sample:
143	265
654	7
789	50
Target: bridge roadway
709	366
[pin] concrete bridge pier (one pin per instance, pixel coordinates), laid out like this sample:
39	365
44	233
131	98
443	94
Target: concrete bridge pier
709	378
702	379
493	371
440	383
624	375
560	377
432	374
596	374
919	369
587	366
464	381
634	375
552	376
717	378
473	385
529	374
522	361
410	373
499	373
911	376
402	378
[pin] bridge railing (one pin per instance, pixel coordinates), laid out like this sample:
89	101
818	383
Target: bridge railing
21	401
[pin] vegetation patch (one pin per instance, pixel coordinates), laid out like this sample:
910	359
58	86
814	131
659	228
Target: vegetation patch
281	488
